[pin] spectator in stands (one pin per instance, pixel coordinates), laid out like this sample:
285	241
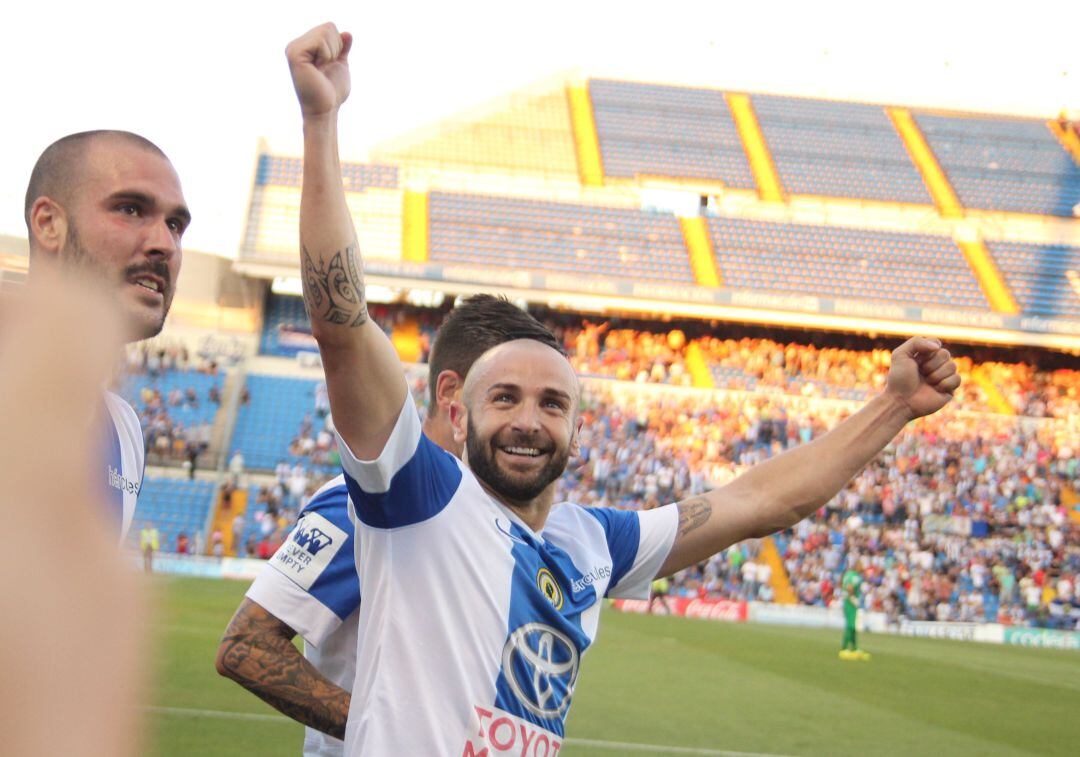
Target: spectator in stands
239	524
227	491
149	543
192	459
236	466
183	545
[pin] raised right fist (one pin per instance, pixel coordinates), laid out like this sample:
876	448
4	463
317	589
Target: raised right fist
319	63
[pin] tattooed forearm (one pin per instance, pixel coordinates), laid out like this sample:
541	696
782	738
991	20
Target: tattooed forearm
257	652
692	514
334	287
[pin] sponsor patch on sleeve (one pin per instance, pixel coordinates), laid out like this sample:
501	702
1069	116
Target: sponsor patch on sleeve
308	551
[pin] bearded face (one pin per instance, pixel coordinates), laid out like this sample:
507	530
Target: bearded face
516	466
518	419
144	310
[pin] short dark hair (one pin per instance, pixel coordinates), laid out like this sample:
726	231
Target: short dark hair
477	324
60	163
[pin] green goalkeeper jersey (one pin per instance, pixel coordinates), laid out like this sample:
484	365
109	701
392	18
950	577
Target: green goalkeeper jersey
852	586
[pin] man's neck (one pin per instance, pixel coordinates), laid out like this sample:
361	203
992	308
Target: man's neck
533	512
442	434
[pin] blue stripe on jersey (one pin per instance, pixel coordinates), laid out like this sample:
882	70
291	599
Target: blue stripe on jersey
545	641
114	471
338	586
420	490
623	532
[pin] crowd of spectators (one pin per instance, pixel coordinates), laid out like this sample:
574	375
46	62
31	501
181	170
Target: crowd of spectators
964	517
162	401
765	364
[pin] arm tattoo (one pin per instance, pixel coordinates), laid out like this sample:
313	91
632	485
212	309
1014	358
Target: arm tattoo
257	652
692	514
334	290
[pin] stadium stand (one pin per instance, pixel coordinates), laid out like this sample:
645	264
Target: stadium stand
286	330
838	149
177	409
267	425
657	130
357	177
173	506
1037	276
972	516
1004	163
189	388
964	518
766	361
843	262
557	237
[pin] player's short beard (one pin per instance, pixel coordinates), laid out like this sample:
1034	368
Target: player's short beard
77	259
481	456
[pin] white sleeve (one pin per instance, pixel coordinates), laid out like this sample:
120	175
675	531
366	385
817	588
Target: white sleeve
656	536
293	606
412	480
374	476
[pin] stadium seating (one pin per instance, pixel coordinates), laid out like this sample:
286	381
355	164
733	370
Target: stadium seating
1036	274
829	261
175	380
556	237
285	324
285	171
173	506
1003	163
656	130
838	149
265	426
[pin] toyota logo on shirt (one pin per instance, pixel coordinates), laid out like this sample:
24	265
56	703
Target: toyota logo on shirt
540	664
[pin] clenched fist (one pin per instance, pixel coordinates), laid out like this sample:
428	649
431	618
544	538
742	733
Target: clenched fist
922	375
319	63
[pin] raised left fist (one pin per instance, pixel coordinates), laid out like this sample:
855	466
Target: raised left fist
923	375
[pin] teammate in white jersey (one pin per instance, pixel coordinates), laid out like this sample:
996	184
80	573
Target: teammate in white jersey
310	586
480	593
107	207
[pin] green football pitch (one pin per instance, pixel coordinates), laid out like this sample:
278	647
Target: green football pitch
672	686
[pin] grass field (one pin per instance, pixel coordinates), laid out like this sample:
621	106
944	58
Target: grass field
671	686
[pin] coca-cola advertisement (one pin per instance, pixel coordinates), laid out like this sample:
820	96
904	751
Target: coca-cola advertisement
688	607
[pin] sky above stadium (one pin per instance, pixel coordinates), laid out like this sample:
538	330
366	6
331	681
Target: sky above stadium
207	80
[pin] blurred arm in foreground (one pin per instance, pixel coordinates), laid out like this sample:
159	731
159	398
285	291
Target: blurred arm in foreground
70	647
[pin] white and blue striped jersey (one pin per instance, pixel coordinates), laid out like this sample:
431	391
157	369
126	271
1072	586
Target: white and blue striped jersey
124	462
310	584
473	627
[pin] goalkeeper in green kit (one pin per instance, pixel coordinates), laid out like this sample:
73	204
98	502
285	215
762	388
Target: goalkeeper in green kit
851	585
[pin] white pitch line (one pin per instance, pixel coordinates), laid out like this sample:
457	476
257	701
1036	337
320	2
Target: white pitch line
219	714
622	746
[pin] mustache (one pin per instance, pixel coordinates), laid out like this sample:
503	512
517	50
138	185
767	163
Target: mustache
157	268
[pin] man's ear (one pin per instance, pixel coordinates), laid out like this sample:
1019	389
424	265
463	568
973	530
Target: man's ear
48	226
448	385
575	443
459	417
